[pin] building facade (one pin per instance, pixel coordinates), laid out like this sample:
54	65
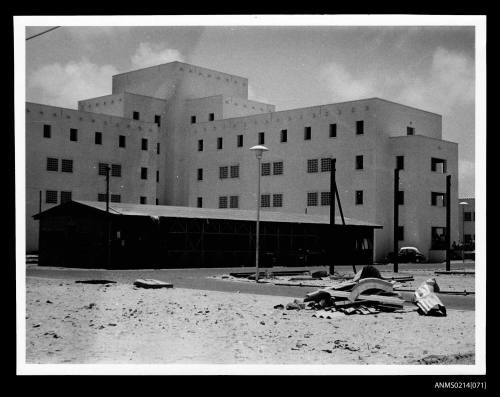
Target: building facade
199	125
467	221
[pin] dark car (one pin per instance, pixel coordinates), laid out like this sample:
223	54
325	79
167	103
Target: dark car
407	255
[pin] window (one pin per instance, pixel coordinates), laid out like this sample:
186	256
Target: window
278	200
307	133
143	200
467	238
438	238
262	138
219	143
115	198
157	201
199	202
400	162
401	197
157	176
333	130
144	173
312	199
193	119
438	165
266	169
359	197
98	138
410	131
51	196
52	164
438	199
116	170
158	119
135	115
326	164
65	197
102	169
467	216
144	144
359	162
239	140
223	172
200	174
223	202
401	233
73	134
47	131
278	168
325	198
233	201
121	141
283	136
158	148
235	171
101	197
211	117
66	165
312	165
265	200
200	145
360	127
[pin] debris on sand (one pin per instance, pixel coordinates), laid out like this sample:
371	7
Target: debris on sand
95	282
151	283
427	301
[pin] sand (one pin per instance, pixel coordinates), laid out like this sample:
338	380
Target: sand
81	323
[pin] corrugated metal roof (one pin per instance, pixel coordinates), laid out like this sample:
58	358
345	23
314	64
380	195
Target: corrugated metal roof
209	213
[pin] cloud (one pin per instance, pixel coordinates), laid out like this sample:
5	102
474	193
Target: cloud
446	82
65	84
148	54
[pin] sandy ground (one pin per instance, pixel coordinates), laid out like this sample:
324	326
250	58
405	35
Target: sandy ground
81	323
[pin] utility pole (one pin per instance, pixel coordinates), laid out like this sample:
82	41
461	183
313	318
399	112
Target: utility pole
333	187
448	218
108	220
396	219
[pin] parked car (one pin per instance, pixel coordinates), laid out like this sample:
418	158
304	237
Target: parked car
407	254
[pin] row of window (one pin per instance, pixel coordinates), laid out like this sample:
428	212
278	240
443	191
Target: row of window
232	171
232	200
136	116
53	164
52	195
211	117
312	198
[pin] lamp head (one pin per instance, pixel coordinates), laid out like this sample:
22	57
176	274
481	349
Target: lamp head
463	203
259	149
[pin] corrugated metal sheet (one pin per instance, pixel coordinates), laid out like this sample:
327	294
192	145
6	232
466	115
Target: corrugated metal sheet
209	213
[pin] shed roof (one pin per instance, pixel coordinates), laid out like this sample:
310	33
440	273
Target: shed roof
167	211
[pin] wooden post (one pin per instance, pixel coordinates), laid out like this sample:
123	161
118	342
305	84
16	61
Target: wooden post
332	214
448	217
396	219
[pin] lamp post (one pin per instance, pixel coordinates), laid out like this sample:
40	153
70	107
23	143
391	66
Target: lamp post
463	204
258	150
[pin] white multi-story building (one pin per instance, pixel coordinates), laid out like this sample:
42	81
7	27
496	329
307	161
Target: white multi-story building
187	132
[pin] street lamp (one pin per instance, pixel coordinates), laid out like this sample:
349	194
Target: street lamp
258	150
463	204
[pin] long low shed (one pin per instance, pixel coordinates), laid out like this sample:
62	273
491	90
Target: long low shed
83	234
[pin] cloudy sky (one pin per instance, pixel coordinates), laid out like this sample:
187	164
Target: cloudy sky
431	68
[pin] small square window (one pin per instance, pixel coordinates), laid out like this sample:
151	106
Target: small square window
102	169
200	174
410	131
116	198
219	143
360	127
101	197
325	198
223	172
98	138
47	130
234	202
223	202
116	170
52	164
326	164
438	165
468	216
211	117
193	119
157	201
235	171
307	133
359	162
135	115
265	169
333	131
144	144
438	199
312	165
400	162
65	197
265	200
239	141
262	139
359	197
312	199
144	173
51	196
158	119
278	168
73	134
66	165
157	176
278	200
143	200
121	141
283	136
158	148
200	145
199	202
